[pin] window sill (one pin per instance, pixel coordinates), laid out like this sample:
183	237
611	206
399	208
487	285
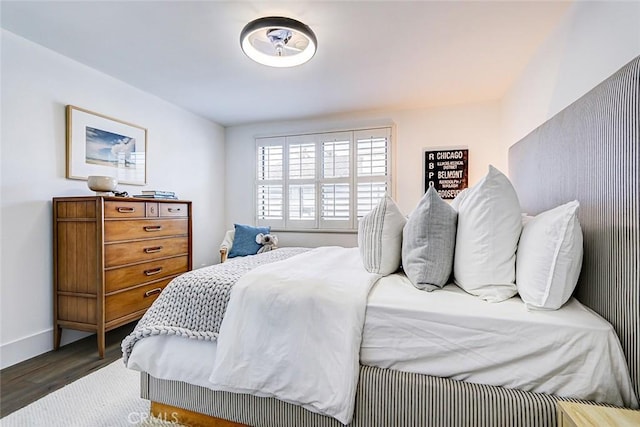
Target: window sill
314	230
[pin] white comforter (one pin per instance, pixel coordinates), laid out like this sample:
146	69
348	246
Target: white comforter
571	352
293	330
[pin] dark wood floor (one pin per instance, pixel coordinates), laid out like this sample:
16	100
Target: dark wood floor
32	379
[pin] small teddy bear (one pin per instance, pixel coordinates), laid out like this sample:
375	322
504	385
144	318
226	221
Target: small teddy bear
268	242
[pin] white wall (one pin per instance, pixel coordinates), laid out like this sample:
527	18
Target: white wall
591	42
185	154
476	126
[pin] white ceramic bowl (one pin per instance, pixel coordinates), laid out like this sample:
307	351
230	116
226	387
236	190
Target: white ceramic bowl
102	183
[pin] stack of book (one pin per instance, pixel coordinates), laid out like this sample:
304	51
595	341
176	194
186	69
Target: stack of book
156	194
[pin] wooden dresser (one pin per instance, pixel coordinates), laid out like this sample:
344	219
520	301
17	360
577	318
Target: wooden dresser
112	256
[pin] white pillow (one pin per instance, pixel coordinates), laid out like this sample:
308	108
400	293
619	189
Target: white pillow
489	226
525	219
380	237
457	201
549	258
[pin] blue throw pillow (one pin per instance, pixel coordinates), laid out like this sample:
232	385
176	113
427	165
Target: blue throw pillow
244	241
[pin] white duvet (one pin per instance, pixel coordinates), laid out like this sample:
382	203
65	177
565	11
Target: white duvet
293	329
571	352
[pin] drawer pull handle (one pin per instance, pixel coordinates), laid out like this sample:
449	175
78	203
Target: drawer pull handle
125	209
152	227
174	209
152	292
152	272
152	250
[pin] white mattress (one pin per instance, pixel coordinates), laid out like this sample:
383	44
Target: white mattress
570	352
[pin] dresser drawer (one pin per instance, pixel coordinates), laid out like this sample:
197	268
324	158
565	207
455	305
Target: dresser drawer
174	209
144	228
124	209
145	250
124	277
128	302
151	209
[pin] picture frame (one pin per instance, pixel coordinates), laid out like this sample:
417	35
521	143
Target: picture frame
102	145
446	169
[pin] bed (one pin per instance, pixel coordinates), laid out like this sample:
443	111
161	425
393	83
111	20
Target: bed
589	152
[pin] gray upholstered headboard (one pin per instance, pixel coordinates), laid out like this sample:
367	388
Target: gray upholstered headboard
590	152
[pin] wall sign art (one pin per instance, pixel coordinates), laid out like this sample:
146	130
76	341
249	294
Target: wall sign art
447	168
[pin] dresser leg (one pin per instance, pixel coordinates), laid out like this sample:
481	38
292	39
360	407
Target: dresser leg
57	335
101	344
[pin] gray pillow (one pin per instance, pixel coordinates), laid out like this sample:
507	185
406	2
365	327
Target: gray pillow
428	242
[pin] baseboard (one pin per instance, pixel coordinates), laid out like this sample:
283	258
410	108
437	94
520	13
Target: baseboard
34	345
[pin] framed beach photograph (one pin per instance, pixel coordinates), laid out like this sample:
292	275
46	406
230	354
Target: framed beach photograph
102	145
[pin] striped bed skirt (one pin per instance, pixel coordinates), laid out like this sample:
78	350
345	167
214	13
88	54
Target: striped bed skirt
385	398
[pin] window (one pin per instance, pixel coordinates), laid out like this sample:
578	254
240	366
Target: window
324	181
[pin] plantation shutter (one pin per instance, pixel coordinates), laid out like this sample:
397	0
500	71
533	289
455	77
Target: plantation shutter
270	182
373	165
335	180
301	183
323	181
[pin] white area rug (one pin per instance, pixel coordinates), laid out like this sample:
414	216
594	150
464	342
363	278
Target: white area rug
108	397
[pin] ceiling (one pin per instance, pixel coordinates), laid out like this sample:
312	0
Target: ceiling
372	55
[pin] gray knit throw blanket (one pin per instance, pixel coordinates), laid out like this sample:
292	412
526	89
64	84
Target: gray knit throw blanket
193	304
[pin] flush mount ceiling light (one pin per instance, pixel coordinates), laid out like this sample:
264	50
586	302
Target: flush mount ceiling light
278	42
